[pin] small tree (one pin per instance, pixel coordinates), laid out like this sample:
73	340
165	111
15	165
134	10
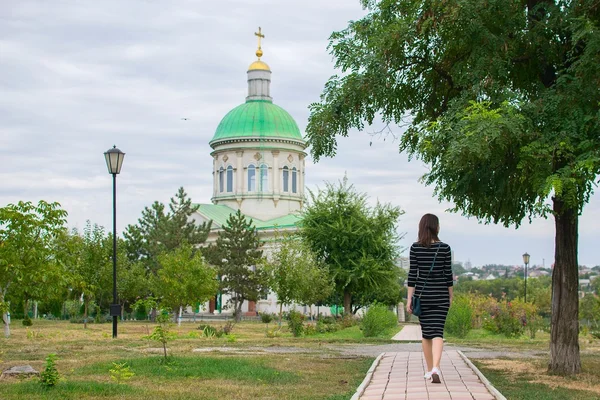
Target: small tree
184	278
239	261
27	233
162	332
296	275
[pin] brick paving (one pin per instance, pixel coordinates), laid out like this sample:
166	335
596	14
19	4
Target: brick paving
399	376
409	333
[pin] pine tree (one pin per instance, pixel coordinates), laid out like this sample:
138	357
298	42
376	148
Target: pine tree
238	258
161	230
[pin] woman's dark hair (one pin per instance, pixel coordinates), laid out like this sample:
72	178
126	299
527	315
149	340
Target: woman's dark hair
429	228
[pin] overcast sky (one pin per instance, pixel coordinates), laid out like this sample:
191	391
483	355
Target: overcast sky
77	77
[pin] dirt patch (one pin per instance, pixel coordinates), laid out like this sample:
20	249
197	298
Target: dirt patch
536	373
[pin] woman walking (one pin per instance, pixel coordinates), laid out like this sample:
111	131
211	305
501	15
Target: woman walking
430	281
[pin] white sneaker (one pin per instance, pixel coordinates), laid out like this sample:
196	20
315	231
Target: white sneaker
427	375
435	375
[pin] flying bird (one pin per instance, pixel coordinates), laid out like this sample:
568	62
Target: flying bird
185	119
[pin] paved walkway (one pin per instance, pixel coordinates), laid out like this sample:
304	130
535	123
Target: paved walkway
409	333
399	376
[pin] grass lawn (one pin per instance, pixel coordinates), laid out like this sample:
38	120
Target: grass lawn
527	379
304	371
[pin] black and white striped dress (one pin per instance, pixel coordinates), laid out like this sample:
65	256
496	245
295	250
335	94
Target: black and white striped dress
435	299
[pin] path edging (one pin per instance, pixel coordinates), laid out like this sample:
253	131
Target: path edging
361	388
482	377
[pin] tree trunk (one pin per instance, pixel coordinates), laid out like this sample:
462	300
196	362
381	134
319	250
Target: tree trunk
347	302
85	311
35	310
5	316
238	310
179	317
280	313
564	344
25	308
123	312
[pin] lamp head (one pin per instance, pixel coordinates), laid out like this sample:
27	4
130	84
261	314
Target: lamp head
526	258
114	160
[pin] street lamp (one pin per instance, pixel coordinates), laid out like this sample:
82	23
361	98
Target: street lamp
114	161
526	261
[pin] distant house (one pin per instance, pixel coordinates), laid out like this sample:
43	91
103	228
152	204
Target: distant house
490	277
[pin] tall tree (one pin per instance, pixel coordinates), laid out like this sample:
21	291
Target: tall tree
239	260
296	275
500	99
27	232
185	278
163	229
358	243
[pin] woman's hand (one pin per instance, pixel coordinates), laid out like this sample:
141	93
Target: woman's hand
409	306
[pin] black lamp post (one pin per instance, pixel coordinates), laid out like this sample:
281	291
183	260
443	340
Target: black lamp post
526	261
114	161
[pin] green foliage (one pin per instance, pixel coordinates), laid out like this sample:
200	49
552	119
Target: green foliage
358	243
295	322
273	333
162	332
512	318
589	310
49	377
121	372
495	97
27	320
327	325
460	317
377	320
239	261
266	318
184	278
163	229
28	235
296	275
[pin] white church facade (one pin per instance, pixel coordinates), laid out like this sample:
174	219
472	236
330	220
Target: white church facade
258	168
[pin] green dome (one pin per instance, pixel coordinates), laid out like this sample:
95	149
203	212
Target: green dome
257	118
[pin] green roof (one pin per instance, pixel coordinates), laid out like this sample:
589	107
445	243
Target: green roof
260	119
219	215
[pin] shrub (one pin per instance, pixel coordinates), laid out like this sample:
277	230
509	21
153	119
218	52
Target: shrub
377	320
348	321
310	330
49	377
327	320
295	322
273	333
460	317
121	372
595	333
27	320
266	318
228	327
209	331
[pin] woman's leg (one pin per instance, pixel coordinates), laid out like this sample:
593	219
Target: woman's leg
437	347
427	352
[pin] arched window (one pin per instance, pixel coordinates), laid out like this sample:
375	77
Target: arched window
221	179
230	179
264	178
251	178
286	179
294	180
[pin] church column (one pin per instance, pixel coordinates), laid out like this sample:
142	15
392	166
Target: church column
239	175
301	175
215	176
276	179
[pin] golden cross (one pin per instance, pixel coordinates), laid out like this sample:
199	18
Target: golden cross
260	35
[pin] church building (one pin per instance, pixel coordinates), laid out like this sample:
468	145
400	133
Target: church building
258	168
